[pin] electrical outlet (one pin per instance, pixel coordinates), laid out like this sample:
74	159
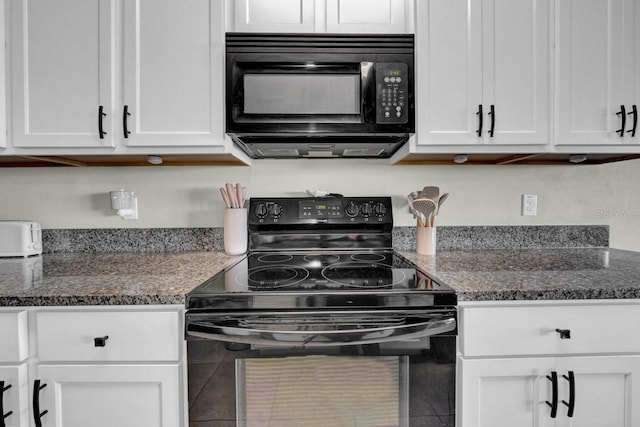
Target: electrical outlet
529	205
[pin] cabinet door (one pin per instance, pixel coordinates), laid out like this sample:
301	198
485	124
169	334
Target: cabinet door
607	391
276	16
515	71
62	73
505	392
475	55
368	16
110	395
590	69
173	73
3	112
449	63
631	67
14	395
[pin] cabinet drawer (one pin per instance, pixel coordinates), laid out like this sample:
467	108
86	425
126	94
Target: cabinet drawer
13	336
531	330
132	336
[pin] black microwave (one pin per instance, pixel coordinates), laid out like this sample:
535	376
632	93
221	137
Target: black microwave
319	95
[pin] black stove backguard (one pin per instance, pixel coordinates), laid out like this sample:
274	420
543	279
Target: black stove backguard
337	223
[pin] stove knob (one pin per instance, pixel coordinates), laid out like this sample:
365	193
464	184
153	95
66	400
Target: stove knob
352	210
380	209
261	210
365	209
276	210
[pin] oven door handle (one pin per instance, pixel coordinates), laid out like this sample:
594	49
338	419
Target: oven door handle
223	331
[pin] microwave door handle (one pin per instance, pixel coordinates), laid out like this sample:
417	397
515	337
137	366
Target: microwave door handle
320	338
368	102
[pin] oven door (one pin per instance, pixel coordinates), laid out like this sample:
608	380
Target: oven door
339	368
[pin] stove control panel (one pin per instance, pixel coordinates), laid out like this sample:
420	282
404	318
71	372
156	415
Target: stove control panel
310	210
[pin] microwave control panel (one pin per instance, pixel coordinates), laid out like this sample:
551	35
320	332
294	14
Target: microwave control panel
392	86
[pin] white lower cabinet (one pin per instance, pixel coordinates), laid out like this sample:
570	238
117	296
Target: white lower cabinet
515	392
93	367
108	395
14	396
570	378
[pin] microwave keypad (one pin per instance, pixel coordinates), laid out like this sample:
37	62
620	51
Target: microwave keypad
391	92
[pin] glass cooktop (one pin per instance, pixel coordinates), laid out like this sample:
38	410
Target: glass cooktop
300	278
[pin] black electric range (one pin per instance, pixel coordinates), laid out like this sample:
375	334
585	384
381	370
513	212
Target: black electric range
320	302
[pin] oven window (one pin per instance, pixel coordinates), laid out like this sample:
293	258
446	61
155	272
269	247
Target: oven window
323	391
294	94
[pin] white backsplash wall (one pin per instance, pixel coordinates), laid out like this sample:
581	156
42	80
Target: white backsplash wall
67	197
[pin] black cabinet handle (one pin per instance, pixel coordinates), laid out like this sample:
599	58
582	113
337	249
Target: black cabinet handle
572	393
100	341
37	415
623	114
565	334
125	126
101	115
479	114
492	113
554	390
634	111
3	388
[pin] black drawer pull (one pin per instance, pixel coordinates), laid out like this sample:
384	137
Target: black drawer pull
554	394
492	113
623	114
572	394
634	111
3	388
37	415
100	341
565	334
125	126
101	115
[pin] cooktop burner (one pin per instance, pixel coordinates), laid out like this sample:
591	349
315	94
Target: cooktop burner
363	275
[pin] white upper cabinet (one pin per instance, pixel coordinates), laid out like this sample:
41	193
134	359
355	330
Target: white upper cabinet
598	71
483	72
62	73
368	16
117	75
320	16
3	79
278	16
173	86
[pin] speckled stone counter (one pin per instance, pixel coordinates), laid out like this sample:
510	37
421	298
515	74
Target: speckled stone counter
106	279
160	266
535	274
166	278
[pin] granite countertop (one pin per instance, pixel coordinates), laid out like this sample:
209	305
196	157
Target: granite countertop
534	274
106	278
166	278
